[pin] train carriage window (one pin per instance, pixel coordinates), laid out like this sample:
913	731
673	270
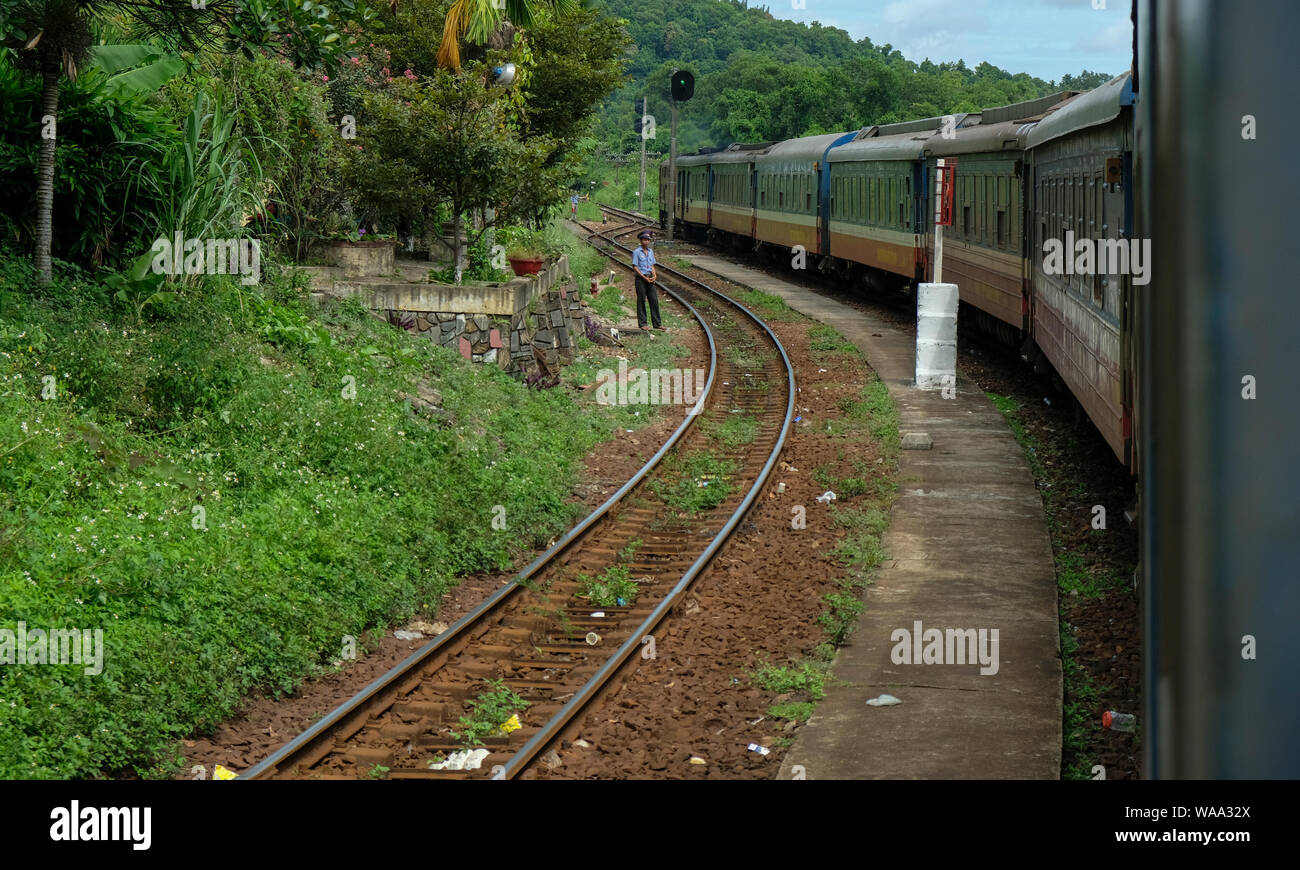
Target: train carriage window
907	196
963	197
1014	205
1051	207
1100	282
1077	221
990	210
970	207
1071	207
1061	218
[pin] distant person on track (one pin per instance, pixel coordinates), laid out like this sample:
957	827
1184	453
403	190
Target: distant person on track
643	260
573	202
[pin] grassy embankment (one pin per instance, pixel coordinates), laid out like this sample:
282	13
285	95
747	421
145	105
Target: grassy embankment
232	486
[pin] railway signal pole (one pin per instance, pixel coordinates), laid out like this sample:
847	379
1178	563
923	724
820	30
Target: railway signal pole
672	174
683	87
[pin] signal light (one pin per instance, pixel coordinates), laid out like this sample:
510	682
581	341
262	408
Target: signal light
683	85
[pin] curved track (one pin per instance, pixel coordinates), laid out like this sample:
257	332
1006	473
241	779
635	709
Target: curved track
538	634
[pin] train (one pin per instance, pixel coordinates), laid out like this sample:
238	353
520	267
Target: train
861	205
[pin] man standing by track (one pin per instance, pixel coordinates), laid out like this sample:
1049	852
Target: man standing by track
643	260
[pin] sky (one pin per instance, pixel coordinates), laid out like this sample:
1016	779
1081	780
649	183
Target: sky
1045	38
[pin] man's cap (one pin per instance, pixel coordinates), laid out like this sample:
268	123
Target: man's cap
646	234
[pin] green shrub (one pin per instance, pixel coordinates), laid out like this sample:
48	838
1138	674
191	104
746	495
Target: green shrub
221	504
108	189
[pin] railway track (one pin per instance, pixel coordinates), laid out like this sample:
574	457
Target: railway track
547	638
624	214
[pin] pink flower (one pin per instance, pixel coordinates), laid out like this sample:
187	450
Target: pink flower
324	78
356	61
387	73
410	75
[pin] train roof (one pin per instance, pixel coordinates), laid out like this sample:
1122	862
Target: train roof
698	159
1028	110
1088	109
920	125
902	141
904	146
810	148
741	152
980	139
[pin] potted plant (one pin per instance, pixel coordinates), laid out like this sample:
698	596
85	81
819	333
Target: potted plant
525	252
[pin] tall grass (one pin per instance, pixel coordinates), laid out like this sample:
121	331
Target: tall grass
213	177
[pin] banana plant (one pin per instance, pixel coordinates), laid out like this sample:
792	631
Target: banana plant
476	21
135	69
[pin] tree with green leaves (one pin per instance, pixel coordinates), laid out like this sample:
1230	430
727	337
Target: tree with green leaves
53	38
450	138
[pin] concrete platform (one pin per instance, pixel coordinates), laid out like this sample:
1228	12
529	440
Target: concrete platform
968	549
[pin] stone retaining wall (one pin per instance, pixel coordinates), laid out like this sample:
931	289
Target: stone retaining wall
536	335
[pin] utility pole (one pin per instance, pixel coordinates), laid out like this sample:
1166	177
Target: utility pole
645	111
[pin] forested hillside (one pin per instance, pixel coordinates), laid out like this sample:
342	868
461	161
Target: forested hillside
761	78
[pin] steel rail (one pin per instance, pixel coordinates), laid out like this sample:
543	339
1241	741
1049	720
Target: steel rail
561	719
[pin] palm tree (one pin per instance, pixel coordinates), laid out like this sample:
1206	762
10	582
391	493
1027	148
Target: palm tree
53	37
482	21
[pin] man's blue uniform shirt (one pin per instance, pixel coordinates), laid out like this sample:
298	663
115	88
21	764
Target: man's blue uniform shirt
643	259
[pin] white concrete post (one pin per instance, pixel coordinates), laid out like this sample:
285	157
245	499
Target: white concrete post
936	314
936	336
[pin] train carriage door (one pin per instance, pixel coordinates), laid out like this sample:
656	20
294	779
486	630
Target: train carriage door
821	206
684	192
753	202
925	230
708	205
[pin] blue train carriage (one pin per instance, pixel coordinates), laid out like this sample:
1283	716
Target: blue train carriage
1081	157
984	250
789	178
733	209
873	200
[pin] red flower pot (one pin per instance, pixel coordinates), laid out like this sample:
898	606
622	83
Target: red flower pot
526	267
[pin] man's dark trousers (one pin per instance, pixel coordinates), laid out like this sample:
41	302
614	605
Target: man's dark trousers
645	290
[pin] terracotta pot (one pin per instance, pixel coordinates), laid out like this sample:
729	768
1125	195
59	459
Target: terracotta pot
524	266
